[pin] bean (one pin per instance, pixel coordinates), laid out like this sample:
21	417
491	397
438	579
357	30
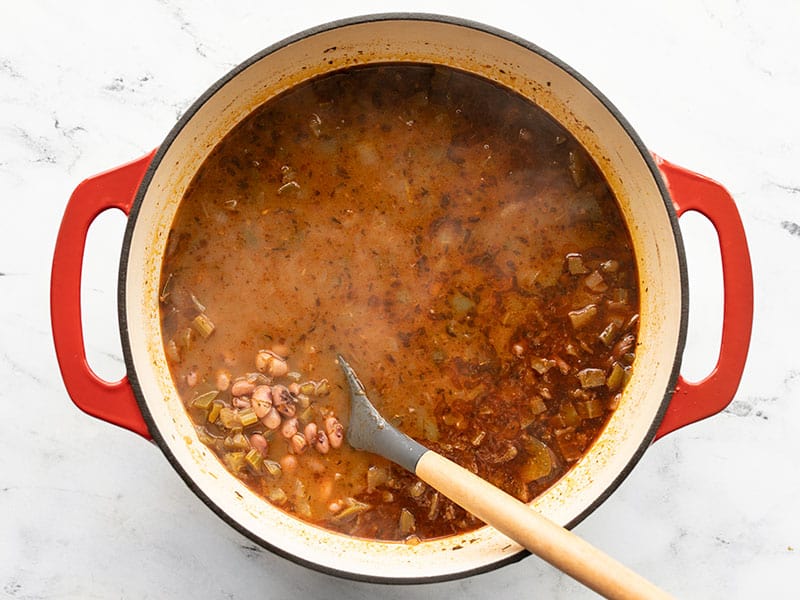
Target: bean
330	423
242	387
335	431
287	410
270	363
310	432
263	393
260	408
299	443
288	463
259	442
289	428
192	377
263	358
261	400
278	368
241	402
294	388
321	442
272	420
283	400
223	380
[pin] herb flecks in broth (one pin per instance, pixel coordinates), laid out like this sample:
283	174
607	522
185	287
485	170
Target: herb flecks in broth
445	234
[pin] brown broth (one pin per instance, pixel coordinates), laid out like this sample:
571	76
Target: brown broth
450	239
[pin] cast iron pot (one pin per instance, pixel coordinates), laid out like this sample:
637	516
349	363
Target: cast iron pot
652	194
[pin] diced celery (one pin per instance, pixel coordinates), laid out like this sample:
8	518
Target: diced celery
350	513
172	351
229	418
203	325
615	378
236	441
575	264
277	496
323	388
308	388
235	461
185	340
538	463
609	334
569	415
590	408
273	468
254	460
204	401
407	523
213	414
248	417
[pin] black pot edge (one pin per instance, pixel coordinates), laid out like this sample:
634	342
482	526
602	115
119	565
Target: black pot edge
128	355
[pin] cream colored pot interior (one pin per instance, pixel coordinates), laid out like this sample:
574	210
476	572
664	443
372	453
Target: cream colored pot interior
511	64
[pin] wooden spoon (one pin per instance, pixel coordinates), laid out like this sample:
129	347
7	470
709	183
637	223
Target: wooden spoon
367	430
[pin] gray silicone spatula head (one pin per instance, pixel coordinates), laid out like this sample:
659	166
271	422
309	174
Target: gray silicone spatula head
368	430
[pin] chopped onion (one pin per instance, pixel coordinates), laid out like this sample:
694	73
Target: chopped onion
583	316
591	378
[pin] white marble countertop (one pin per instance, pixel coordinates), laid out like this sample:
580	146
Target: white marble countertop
88	510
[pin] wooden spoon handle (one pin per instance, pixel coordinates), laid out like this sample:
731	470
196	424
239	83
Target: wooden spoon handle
539	535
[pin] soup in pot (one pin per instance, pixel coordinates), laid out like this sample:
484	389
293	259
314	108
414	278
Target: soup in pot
449	238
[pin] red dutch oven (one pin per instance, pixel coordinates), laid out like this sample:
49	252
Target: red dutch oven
652	194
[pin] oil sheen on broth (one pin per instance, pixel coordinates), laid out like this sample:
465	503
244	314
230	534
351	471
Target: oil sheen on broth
444	234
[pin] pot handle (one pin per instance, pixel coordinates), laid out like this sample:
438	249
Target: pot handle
112	402
692	402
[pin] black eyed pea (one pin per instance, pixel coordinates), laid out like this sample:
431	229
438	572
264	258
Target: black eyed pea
272	420
192	378
241	402
298	443
310	432
260	408
321	442
242	387
283	400
271	363
259	442
289	428
263	393
335	432
288	463
222	380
